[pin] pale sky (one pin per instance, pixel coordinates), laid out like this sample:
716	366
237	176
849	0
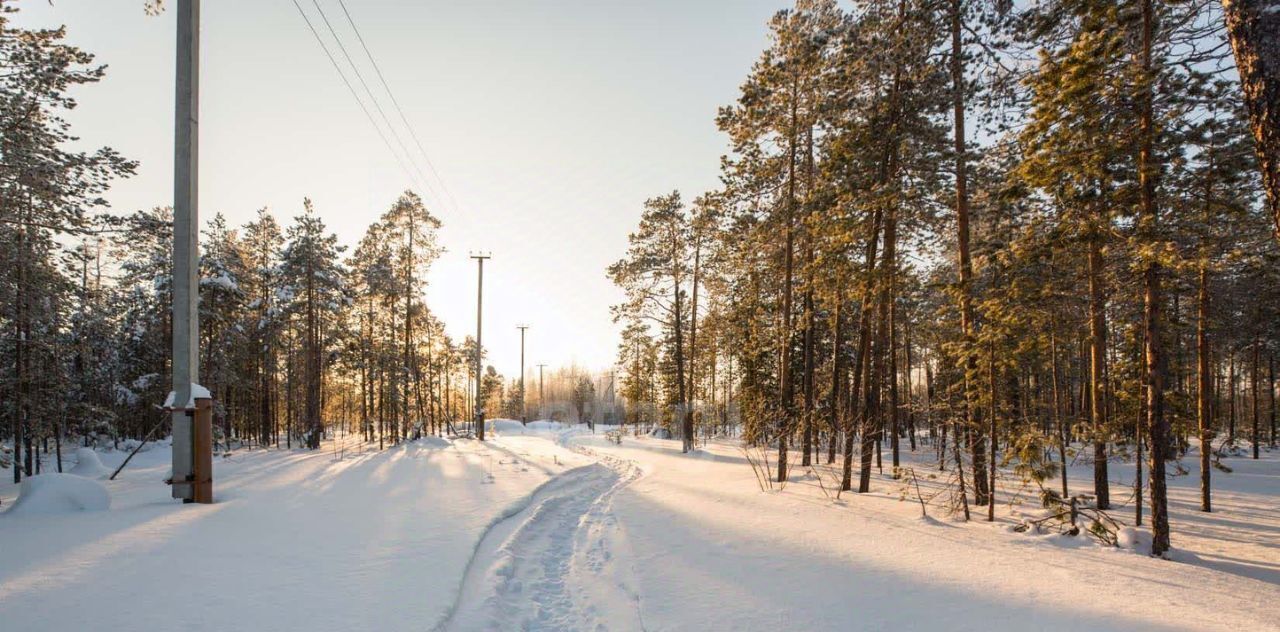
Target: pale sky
549	122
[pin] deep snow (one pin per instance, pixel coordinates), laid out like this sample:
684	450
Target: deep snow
89	465
54	493
711	550
295	541
554	528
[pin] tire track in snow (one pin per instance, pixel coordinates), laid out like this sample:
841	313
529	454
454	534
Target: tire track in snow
551	564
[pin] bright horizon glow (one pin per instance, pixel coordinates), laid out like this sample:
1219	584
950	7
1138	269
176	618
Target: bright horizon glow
549	122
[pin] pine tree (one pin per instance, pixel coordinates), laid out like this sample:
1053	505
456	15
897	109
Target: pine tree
312	275
653	275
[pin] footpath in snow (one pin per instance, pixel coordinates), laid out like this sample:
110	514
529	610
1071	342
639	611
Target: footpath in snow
297	540
552	566
544	528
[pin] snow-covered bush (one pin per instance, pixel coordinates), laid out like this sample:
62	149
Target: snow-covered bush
89	465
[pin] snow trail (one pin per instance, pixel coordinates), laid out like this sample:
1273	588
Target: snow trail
554	565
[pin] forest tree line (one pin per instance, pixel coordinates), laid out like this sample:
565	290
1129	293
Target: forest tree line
1027	233
299	338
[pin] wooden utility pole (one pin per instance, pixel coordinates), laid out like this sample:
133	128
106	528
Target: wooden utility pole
524	414
480	258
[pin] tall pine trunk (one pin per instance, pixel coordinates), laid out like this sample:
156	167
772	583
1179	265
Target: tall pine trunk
835	407
786	387
1252	26
1204	387
1097	368
1157	423
856	412
967	325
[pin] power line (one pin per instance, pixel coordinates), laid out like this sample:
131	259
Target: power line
413	134
356	96
378	106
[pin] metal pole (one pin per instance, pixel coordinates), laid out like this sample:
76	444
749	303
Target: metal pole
186	222
524	414
479	347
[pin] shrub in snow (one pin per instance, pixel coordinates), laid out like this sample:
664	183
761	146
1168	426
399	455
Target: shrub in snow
1073	516
89	465
660	433
59	493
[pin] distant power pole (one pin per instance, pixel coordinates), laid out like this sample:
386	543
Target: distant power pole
524	414
542	403
479	257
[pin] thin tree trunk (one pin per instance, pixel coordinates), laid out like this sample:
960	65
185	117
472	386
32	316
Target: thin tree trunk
1097	370
682	413
693	344
837	373
991	463
1253	388
1231	399
1271	390
1137	461
1058	419
911	408
893	376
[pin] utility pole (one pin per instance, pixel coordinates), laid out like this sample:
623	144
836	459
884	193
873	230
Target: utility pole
542	403
524	413
191	466
480	258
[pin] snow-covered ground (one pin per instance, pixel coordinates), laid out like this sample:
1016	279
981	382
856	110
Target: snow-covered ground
713	551
296	540
558	529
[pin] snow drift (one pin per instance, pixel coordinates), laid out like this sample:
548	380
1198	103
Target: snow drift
59	493
513	427
89	465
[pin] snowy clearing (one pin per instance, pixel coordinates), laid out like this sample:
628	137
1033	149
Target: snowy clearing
549	528
713	551
295	540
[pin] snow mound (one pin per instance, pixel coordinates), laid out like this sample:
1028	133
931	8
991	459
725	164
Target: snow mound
89	465
660	433
513	427
546	426
1133	539
58	494
128	445
432	441
506	426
